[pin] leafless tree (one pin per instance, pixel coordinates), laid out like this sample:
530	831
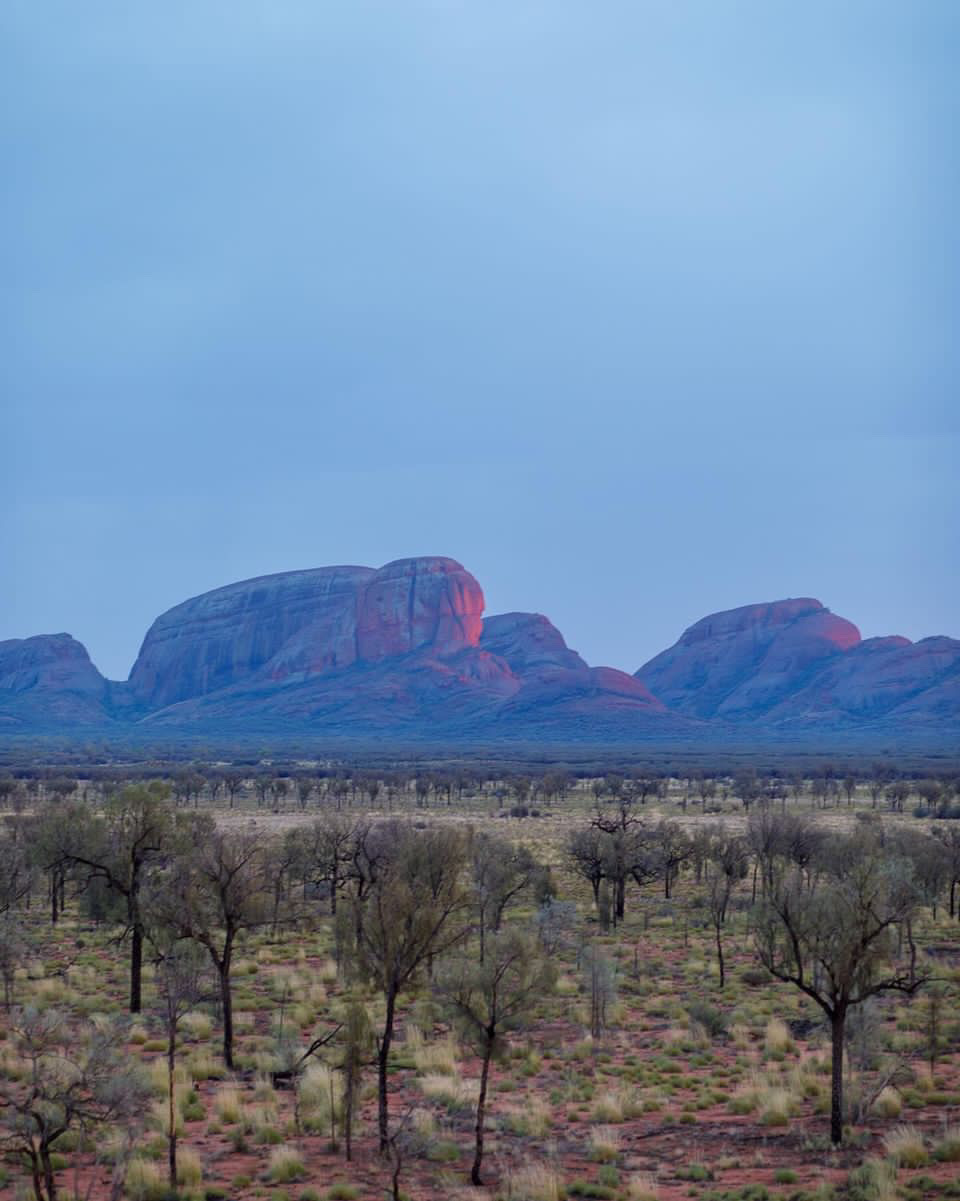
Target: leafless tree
490	997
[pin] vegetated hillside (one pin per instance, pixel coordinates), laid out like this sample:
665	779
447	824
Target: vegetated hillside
404	654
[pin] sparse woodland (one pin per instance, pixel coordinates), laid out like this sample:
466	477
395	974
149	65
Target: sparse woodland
305	984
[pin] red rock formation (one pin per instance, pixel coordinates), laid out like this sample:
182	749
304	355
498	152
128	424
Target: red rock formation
795	661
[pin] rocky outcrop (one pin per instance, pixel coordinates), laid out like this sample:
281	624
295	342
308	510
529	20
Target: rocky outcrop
528	642
306	622
403	653
794	661
49	677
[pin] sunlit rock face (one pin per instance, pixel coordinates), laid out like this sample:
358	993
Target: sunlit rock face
411	604
794	661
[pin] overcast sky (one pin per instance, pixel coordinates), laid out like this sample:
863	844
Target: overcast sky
638	309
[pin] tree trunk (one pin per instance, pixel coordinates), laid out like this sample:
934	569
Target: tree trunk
49	1179
837	1023
226	1001
172	1109
383	1055
481	1109
720	954
136	968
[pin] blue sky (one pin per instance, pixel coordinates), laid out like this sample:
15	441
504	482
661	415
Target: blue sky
640	310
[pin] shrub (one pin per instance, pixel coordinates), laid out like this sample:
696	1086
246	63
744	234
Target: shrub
888	1103
709	1017
228	1104
604	1144
532	1182
146	1181
286	1164
342	1192
777	1040
947	1149
904	1145
642	1186
874	1180
189	1167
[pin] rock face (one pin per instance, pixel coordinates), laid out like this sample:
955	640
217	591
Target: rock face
403	653
794	661
50	676
306	622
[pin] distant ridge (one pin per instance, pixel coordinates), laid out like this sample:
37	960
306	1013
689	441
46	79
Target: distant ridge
403	653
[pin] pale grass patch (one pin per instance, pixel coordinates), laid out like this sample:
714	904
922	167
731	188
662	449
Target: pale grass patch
189	1166
532	1182
204	1066
888	1103
608	1107
145	1180
776	1106
286	1163
423	1122
439	1057
777	1039
877	1179
452	1091
904	1145
642	1186
321	1096
228	1104
532	1118
740	1036
197	1025
160	1078
604	1143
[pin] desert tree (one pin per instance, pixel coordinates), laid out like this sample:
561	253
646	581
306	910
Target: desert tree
600	982
212	894
672	847
180	985
67	1077
233	783
499	872
326	849
489	998
136	828
586	853
412	911
730	858
14	949
949	838
356	1048
17	869
836	941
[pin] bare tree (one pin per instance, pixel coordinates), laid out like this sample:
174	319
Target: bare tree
211	896
490	997
179	982
835	942
409	915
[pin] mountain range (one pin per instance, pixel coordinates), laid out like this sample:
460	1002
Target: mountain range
404	653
